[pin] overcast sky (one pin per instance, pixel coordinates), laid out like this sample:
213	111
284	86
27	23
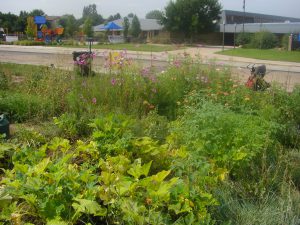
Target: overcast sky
289	8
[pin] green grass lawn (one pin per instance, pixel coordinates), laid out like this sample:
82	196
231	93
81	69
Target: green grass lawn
269	54
133	47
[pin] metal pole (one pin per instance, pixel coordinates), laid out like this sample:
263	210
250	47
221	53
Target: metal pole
244	16
223	36
234	34
90	46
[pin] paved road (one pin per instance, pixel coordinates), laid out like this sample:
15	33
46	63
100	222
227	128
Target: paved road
286	73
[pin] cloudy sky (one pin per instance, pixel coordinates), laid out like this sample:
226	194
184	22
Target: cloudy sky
289	8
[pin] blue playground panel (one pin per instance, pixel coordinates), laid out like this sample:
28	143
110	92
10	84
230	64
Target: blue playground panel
39	20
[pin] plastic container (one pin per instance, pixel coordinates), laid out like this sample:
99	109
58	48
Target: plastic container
4	126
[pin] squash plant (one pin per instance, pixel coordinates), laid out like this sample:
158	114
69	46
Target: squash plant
64	183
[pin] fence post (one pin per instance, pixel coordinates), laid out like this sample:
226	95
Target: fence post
290	43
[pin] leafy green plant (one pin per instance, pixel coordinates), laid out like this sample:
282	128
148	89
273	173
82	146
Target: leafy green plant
112	134
264	40
243	38
3	81
285	41
154	126
72	127
65	183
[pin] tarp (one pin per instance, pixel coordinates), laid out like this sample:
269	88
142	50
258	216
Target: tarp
112	26
39	20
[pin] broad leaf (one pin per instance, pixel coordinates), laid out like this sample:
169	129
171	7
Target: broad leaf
88	207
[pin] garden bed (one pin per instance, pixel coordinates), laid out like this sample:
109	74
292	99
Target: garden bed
188	145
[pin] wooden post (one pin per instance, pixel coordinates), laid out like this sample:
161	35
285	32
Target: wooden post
290	43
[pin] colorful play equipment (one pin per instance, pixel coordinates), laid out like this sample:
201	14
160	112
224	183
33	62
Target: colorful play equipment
43	33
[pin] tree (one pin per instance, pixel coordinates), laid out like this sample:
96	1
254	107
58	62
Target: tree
69	23
90	11
191	16
155	14
130	15
135	29
110	18
117	16
88	28
71	26
126	26
8	21
114	17
30	28
22	21
37	12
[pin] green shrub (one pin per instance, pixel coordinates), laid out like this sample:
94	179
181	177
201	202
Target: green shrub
101	37
72	127
232	140
22	107
29	43
264	40
243	38
70	42
285	42
154	126
3	81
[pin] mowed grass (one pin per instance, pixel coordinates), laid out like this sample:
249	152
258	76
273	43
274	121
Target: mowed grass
134	47
265	54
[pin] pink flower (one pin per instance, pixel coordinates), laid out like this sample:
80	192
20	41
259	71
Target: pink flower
94	101
113	81
145	71
177	63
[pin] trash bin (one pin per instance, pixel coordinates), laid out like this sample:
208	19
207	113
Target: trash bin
4	126
83	60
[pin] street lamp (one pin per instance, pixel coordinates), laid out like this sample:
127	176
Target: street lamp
90	40
244	16
234	34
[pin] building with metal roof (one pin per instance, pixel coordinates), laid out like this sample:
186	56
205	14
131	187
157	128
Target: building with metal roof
232	17
146	24
236	22
276	28
149	27
232	22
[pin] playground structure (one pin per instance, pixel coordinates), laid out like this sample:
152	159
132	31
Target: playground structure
44	33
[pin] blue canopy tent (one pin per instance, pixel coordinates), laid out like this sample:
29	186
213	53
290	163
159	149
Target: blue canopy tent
112	26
